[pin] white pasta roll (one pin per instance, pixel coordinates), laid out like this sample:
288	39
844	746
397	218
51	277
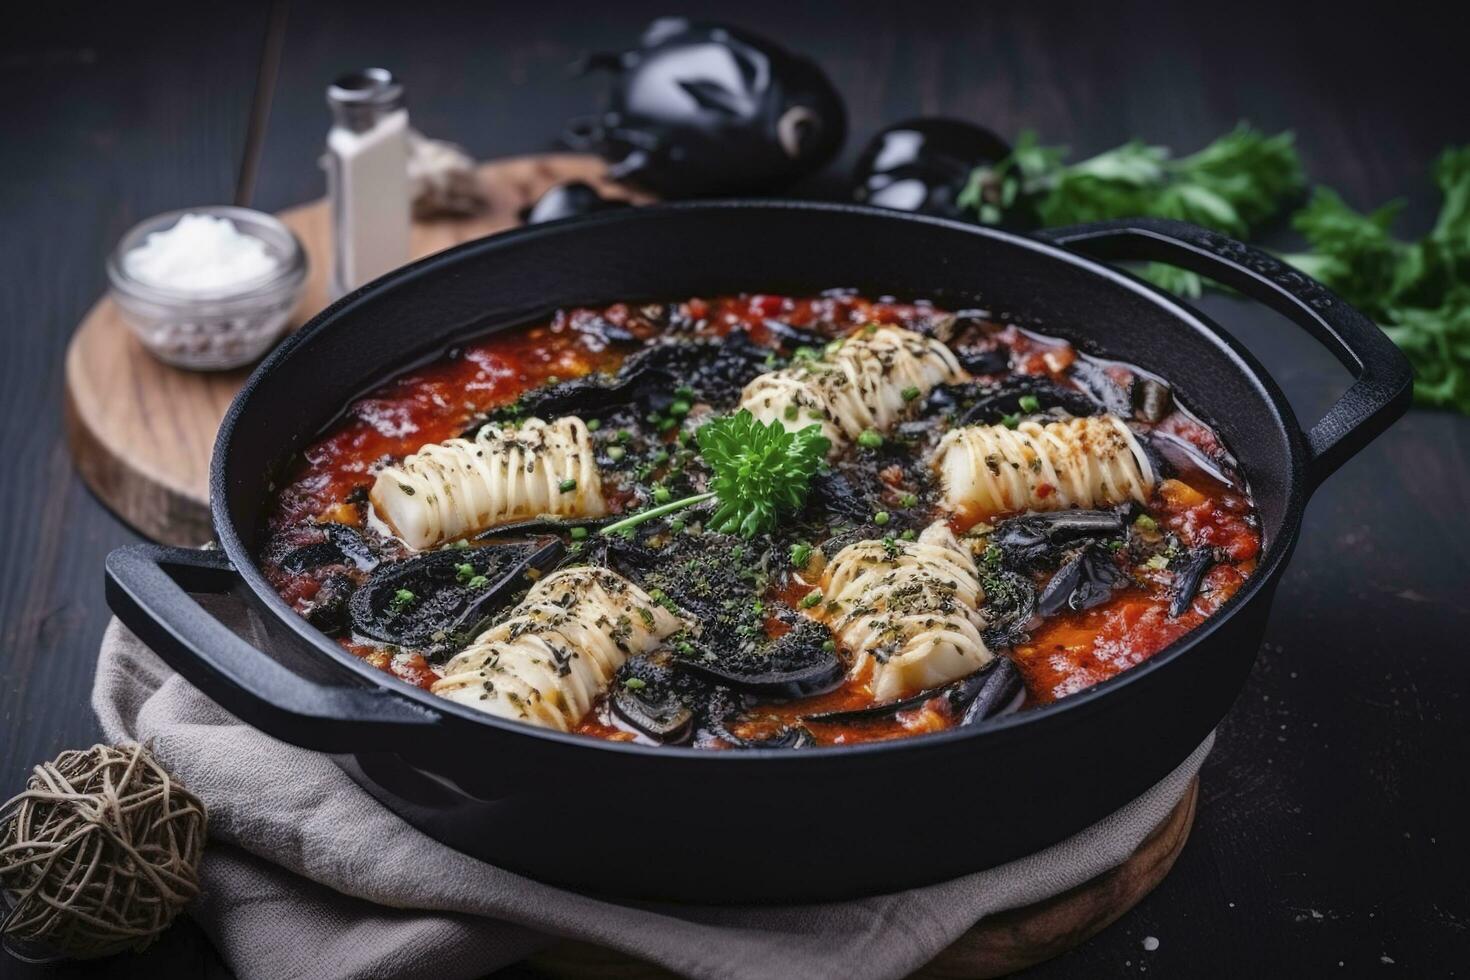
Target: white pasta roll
910	609
989	470
558	650
450	489
865	382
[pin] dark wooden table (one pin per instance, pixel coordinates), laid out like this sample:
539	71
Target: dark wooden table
1332	830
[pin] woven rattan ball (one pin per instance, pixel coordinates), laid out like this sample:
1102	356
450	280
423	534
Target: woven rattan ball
98	854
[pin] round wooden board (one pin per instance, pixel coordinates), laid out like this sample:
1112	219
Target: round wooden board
141	432
998	945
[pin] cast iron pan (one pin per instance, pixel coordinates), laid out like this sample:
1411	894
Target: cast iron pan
762	826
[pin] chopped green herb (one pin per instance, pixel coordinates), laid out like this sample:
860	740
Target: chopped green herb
1029	403
829	646
567	486
1145	523
791	413
478	582
579	533
684	391
661	495
680	408
810	599
1010	421
870	439
594	424
463	573
909	535
908	500
910	393
634	683
801	553
401	600
880	518
616	453
624	435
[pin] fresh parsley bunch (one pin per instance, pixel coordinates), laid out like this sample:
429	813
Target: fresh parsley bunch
1234	184
1418	291
760	469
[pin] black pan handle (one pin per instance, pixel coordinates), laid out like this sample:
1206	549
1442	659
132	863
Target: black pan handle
1383	385
148	588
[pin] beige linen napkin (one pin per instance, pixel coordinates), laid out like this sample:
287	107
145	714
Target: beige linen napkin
306	875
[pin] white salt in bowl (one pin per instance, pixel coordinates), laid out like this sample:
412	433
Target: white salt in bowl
208	319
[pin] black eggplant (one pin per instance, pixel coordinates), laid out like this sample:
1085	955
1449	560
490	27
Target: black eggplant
568	200
434	602
701	108
799	663
716	370
1151	400
981	695
651	698
340	545
1187	580
923	165
987	403
1094	379
1039	539
998	693
1010	607
329	610
1085	580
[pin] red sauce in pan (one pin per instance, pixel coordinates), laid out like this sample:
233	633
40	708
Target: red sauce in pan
1067	653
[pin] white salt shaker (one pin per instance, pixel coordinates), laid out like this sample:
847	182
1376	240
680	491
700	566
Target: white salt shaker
367	177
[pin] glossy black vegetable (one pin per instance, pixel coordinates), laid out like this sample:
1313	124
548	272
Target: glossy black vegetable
922	165
971	699
1037	539
1010	607
340	545
436	601
794	665
649	378
1085	580
1190	574
568	200
650	698
1000	691
988	403
700	109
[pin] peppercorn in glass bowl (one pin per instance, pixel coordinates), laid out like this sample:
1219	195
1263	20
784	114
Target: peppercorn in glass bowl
208	288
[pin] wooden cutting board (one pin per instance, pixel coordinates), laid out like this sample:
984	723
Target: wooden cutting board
997	946
141	432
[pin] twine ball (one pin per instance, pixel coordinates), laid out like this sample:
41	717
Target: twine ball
98	854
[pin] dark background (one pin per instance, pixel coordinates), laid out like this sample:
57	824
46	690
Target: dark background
1332	830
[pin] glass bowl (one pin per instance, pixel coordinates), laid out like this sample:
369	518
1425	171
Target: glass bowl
211	330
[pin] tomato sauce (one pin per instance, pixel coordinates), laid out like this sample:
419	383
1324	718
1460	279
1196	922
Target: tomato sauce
1067	653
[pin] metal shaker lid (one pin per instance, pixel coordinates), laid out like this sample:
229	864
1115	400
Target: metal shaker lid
360	98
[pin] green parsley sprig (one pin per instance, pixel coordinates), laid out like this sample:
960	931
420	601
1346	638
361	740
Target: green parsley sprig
759	470
1234	184
1418	291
